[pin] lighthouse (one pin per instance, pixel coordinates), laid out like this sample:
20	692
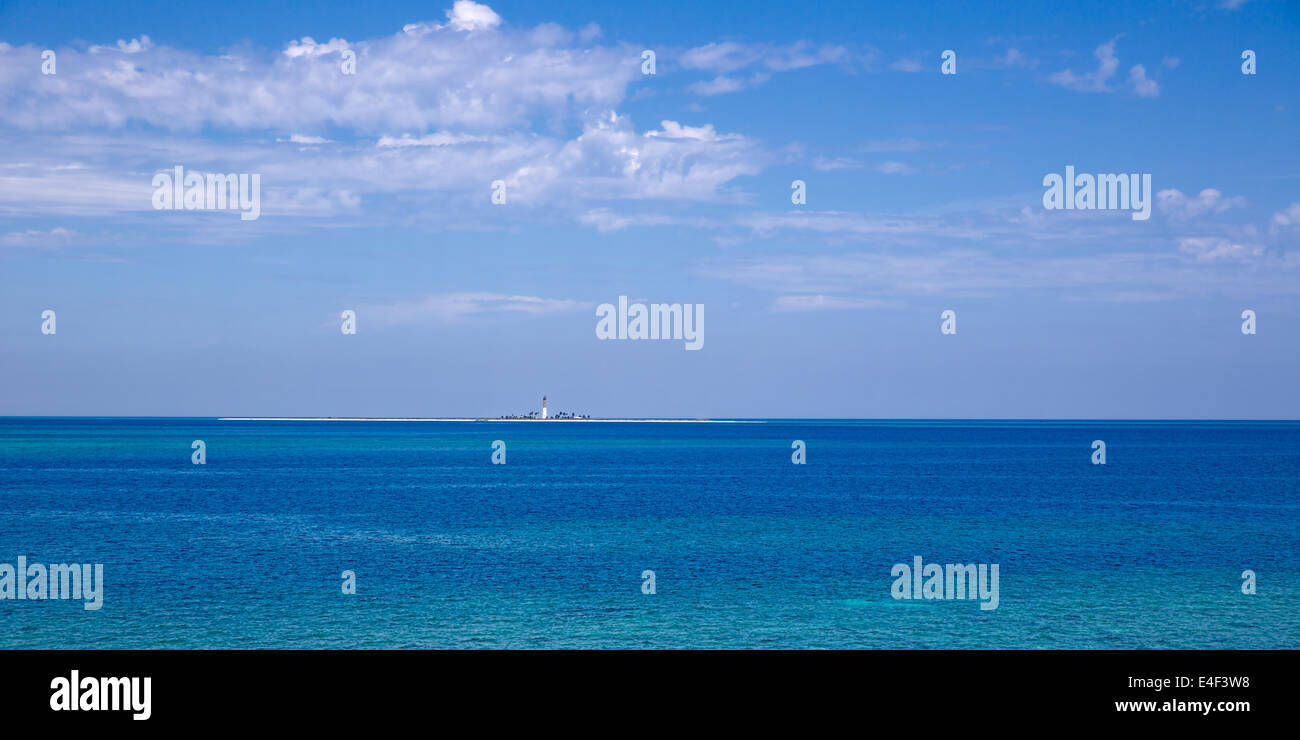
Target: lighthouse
543	407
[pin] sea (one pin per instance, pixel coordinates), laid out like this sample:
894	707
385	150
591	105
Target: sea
406	534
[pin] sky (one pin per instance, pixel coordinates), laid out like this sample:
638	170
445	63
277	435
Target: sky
924	193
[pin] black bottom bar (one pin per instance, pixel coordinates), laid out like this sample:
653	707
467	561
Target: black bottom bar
333	689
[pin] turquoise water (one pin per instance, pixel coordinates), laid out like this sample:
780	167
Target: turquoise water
748	549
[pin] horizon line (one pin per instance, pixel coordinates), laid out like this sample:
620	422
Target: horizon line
668	419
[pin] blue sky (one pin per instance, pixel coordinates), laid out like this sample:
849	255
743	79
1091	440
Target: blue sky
924	194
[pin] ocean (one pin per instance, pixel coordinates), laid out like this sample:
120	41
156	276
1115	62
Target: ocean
747	549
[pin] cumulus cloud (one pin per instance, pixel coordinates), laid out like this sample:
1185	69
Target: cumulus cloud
438	180
1099	79
435	113
467	15
674	130
439	111
134	46
439	77
1181	207
1096	80
308	47
1145	88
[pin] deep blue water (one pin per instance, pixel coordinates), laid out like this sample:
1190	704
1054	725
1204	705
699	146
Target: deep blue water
748	549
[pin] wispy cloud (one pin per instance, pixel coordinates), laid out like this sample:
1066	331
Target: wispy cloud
1013	57
454	307
740	66
1213	249
1286	219
896	145
825	303
895	168
831	164
34	238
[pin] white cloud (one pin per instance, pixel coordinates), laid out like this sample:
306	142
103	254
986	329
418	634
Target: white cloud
1182	207
467	15
134	46
1015	58
906	65
1096	80
728	57
1145	88
1286	219
606	220
436	78
831	164
43	185
725	56
823	303
674	130
305	139
440	138
896	230
453	307
722	85
983	250
435	181
55	237
433	116
1213	249
800	55
895	168
1099	79
308	47
861	279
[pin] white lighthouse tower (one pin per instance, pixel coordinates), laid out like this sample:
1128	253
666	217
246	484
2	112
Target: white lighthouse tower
543	407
